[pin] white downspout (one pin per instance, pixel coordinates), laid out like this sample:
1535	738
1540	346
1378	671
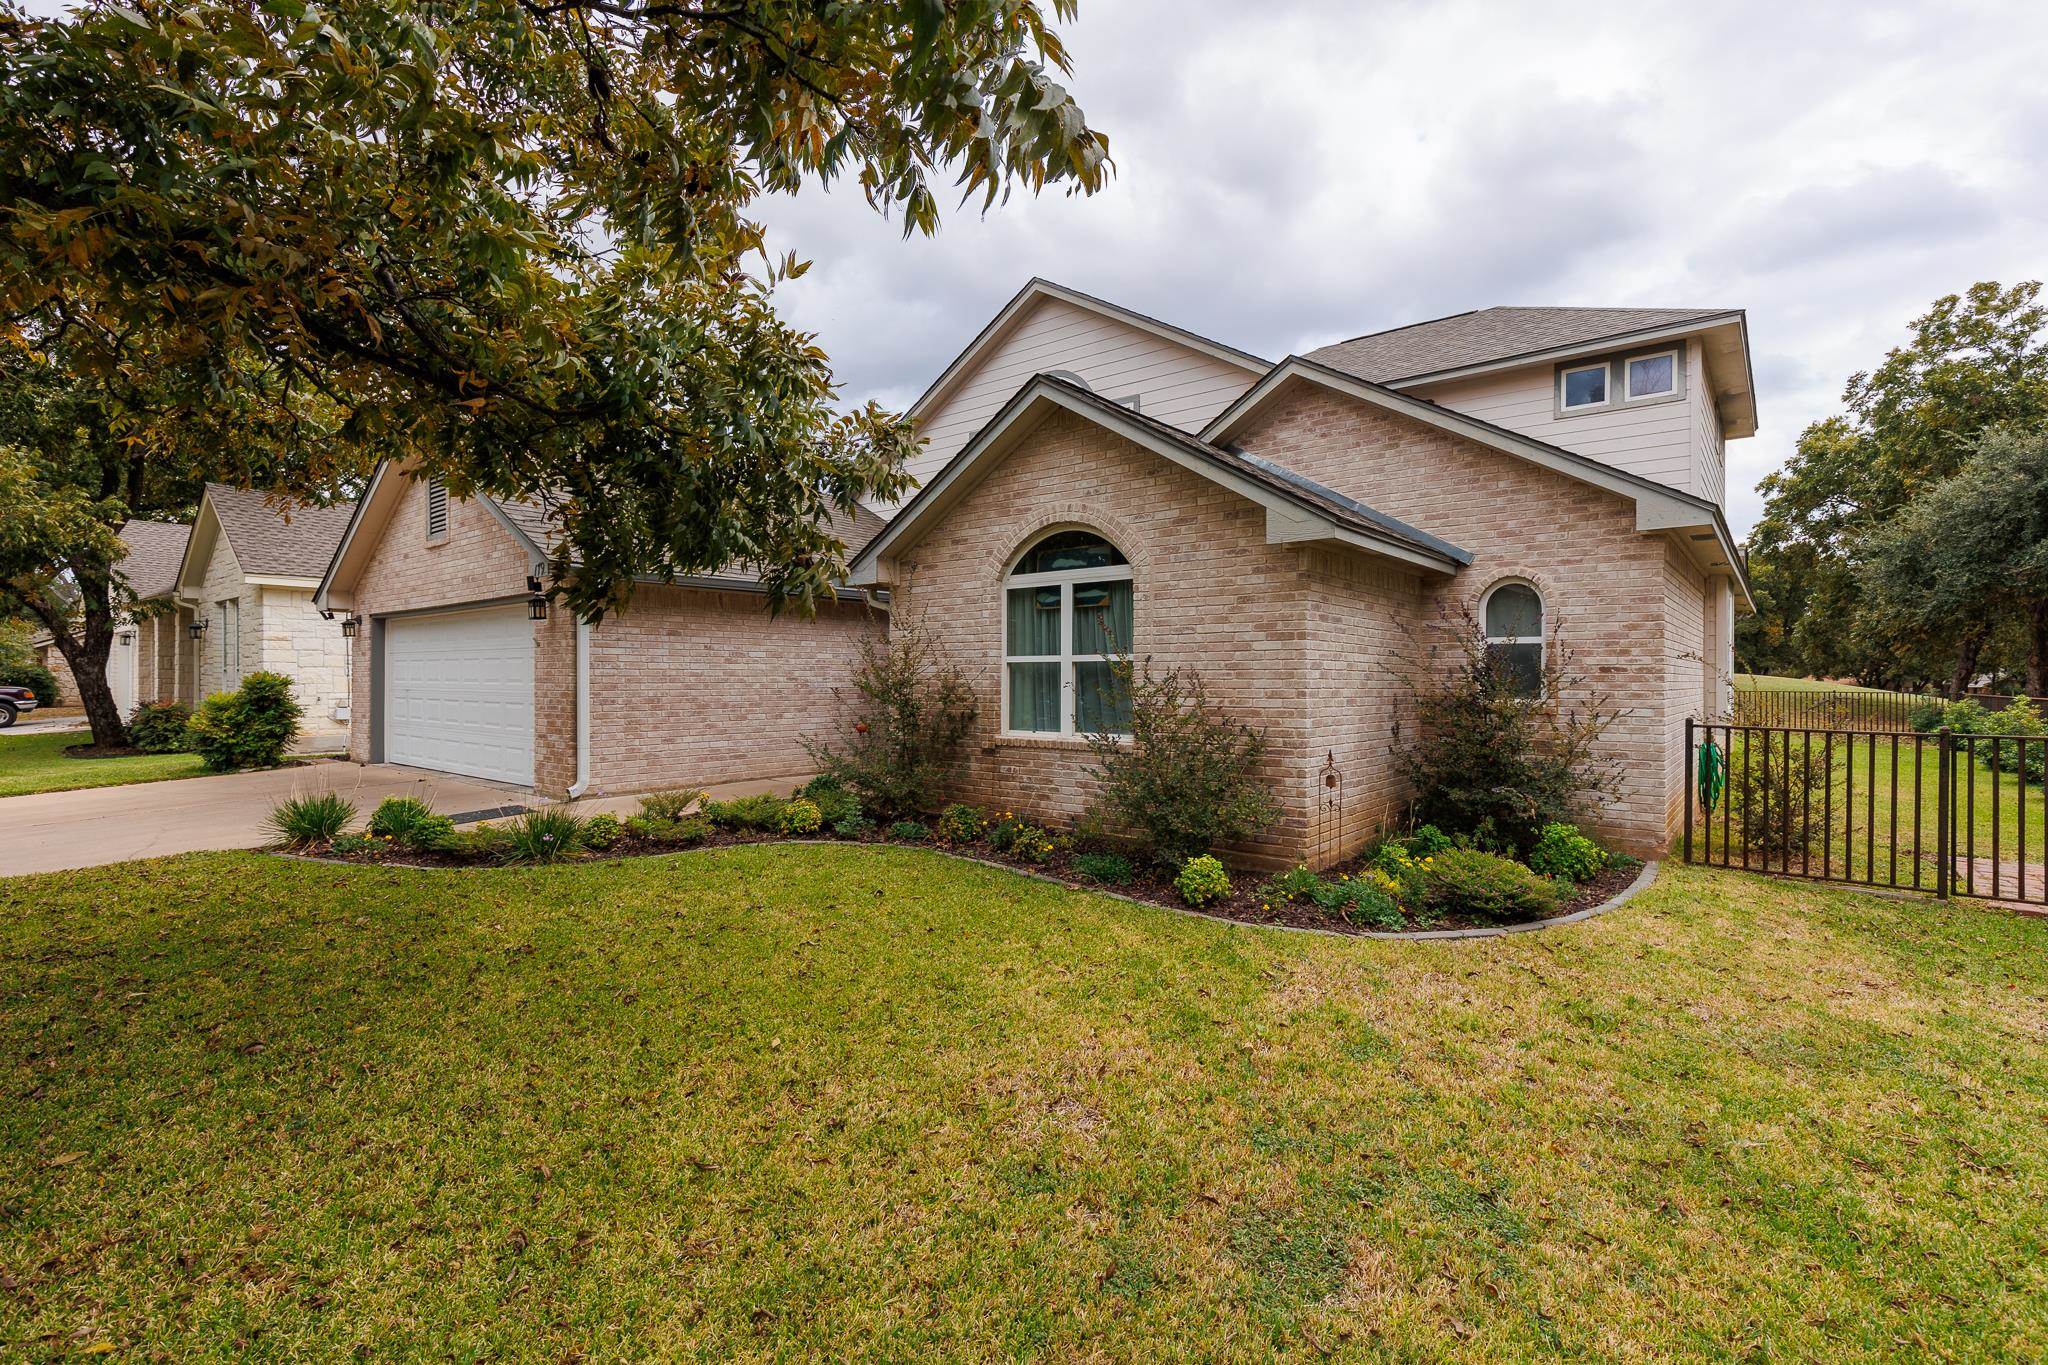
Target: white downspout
582	783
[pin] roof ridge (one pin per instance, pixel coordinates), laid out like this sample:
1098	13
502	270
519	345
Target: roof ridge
1388	331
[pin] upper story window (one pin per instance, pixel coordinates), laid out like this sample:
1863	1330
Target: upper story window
1513	617
437	511
1067	617
1582	386
1652	376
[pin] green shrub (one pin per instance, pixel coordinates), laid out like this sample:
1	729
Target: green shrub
905	725
1561	851
799	815
410	822
1186	777
1499	751
482	842
852	826
251	727
1484	886
1965	717
744	813
1202	881
690	831
1428	840
353	845
1109	869
960	824
669	805
909	831
1005	829
160	727
305	820
686	830
602	830
1778	803
1928	716
32	675
1295	884
545	835
830	796
2020	717
1034	845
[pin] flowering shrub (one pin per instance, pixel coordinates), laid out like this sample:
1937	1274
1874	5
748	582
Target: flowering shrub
1032	844
602	830
1202	881
1561	851
799	815
834	802
960	824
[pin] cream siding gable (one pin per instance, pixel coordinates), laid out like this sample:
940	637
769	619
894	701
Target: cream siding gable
1659	441
1173	382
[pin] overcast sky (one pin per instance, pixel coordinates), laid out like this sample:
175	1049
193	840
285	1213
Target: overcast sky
1293	172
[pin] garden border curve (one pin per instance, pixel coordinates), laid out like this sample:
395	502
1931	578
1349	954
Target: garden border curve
1641	883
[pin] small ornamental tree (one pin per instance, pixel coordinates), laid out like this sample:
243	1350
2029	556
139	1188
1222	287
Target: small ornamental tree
1490	759
905	725
1186	776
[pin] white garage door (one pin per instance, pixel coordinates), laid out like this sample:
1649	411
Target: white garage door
458	693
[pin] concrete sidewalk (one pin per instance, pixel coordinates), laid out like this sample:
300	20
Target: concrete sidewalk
57	831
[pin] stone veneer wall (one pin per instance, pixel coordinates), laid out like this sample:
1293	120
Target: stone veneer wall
294	641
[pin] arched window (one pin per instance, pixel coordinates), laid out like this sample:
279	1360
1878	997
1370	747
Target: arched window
1067	614
1513	617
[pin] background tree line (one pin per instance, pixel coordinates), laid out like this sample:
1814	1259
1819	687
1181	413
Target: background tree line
1905	543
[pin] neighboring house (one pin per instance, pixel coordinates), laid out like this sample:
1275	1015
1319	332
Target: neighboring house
243	574
461	668
1098	480
144	656
247	581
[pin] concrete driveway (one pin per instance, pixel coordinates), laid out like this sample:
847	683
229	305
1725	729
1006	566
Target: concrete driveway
56	831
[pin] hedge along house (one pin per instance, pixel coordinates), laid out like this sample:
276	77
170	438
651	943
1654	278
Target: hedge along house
460	666
1317	528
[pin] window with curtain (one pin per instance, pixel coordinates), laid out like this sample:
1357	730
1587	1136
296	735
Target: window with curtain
1513	616
1067	615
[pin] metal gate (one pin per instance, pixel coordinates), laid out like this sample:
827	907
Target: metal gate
1950	814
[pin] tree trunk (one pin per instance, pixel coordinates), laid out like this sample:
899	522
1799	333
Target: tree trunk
87	658
2037	647
1967	653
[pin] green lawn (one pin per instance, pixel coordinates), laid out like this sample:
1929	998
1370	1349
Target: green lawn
846	1103
1771	681
38	763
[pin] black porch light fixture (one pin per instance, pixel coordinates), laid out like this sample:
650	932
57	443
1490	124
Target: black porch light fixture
198	629
537	608
326	614
350	625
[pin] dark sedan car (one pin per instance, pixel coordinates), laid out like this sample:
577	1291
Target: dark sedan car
15	702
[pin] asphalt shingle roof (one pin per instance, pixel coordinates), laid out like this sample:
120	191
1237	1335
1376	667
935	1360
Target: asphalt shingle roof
155	549
1490	334
294	544
856	529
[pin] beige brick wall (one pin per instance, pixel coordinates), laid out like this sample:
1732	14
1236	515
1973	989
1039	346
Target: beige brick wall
1616	597
1209	592
690	687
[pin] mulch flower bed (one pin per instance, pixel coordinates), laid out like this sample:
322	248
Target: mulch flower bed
1248	903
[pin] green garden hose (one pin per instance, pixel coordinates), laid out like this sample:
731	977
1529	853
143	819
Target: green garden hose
1713	774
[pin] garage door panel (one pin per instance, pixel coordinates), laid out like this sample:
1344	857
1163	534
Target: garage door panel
459	693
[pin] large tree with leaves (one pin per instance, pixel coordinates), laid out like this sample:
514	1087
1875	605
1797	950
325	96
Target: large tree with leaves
1974	361
509	240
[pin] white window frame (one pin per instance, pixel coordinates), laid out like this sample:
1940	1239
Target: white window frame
1567	371
1066	580
1542	640
1628	393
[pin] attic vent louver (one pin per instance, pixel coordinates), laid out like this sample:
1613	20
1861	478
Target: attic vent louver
437	510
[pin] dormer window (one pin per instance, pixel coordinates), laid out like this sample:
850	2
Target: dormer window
1582	386
1652	376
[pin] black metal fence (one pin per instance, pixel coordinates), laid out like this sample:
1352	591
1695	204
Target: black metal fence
1945	813
1803	709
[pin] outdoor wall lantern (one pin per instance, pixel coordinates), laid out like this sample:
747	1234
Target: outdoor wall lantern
350	625
198	629
537	607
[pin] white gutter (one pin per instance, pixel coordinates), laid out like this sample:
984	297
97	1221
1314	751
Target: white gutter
582	783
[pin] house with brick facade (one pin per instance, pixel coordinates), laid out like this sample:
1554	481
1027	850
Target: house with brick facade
226	596
1096	481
